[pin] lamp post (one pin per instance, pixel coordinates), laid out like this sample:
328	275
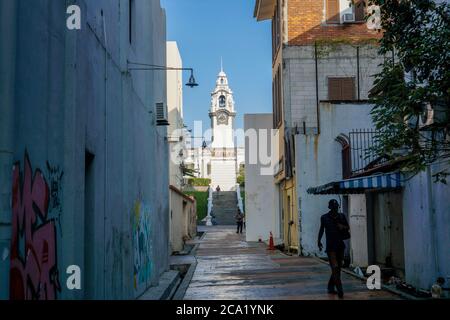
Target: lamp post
137	66
204	146
208	216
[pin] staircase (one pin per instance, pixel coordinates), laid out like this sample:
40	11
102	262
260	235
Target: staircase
224	207
223	174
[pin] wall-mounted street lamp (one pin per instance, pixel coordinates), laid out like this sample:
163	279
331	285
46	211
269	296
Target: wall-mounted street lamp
144	66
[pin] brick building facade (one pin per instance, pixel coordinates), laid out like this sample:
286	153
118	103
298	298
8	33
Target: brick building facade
324	54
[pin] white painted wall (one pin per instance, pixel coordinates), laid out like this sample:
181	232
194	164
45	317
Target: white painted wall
426	221
183	219
260	190
318	161
223	173
333	61
201	158
358	226
175	113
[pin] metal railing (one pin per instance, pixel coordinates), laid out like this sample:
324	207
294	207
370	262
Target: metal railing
210	204
239	197
362	155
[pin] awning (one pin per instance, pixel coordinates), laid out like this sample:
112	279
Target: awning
380	182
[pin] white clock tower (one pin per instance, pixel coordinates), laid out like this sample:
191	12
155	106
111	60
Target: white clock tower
223	151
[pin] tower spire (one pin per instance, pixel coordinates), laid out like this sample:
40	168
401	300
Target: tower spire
221	64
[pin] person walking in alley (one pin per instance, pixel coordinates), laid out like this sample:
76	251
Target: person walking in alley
239	221
336	231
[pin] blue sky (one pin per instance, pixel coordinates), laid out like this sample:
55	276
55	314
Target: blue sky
207	30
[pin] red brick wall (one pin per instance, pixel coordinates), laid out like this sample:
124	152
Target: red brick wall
305	25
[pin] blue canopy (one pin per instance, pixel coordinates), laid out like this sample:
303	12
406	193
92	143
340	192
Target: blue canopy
380	182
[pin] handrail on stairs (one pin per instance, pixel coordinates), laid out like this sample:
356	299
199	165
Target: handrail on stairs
240	202
210	204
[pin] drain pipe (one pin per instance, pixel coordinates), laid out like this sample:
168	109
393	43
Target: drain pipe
8	30
316	65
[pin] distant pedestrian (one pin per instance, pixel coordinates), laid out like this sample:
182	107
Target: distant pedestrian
239	221
336	230
218	189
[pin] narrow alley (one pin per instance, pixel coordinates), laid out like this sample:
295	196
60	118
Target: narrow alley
229	268
173	150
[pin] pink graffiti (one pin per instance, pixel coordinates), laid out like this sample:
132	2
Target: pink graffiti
33	271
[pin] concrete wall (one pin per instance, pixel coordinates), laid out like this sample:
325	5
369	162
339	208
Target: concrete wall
299	76
183	219
8	30
426	221
318	161
260	191
85	136
175	113
357	219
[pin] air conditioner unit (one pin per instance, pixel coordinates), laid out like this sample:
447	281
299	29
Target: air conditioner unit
161	115
433	116
426	117
348	17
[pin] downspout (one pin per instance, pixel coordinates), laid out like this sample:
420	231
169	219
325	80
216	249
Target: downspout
317	87
106	152
432	217
358	72
8	31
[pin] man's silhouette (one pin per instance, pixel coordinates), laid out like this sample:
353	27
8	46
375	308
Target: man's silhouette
336	227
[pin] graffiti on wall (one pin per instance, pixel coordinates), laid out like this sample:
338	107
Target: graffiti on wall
142	244
55	176
33	270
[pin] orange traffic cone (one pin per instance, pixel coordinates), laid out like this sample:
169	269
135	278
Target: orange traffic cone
271	245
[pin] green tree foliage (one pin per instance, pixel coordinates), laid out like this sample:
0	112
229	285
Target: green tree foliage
199	182
241	176
201	198
414	78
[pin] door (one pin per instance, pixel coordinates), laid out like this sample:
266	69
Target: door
388	230
396	231
88	272
381	232
294	220
281	210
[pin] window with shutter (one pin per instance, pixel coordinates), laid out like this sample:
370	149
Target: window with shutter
333	11
280	100
334	89
341	89
277	100
276	30
348	89
273	104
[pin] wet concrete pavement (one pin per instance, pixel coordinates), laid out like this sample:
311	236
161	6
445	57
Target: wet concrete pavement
230	268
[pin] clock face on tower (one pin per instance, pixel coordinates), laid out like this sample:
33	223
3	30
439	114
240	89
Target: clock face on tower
222	118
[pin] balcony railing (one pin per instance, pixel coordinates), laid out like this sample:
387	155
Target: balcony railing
361	155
